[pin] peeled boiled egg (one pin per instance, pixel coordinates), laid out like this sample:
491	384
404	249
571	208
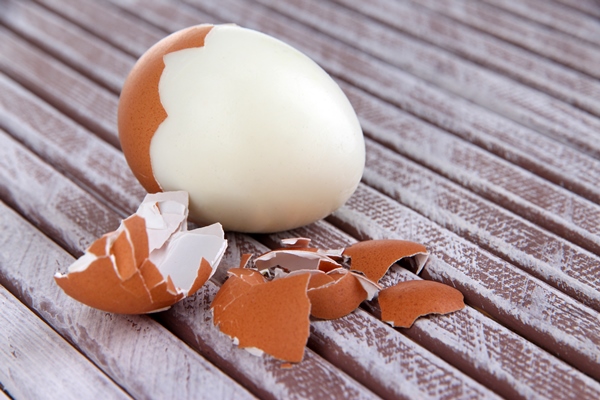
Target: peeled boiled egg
261	137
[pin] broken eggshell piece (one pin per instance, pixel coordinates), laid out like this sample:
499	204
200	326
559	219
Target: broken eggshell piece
403	303
375	257
149	263
267	316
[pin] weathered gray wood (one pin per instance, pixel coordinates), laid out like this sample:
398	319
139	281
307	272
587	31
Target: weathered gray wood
63	87
546	158
470	340
589	7
67	42
554	16
135	351
69	146
36	362
92	15
484	49
452	73
551	258
528	306
517	30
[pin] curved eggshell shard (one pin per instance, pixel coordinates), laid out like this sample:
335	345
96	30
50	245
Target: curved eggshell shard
140	110
403	303
375	257
119	274
337	298
271	316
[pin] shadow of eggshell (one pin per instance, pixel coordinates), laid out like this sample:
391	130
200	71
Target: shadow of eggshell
375	257
337	297
272	316
403	303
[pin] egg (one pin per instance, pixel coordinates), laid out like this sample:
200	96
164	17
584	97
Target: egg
260	136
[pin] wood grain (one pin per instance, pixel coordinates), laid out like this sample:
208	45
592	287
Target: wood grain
538	39
458	100
135	351
90	105
35	362
366	348
589	7
486	50
433	64
470	340
54	137
531	308
67	42
554	16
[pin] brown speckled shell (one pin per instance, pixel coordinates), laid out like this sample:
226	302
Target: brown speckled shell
140	110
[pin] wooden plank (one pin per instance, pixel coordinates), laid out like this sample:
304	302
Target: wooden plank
534	250
46	132
525	244
135	351
67	42
554	16
511	141
93	17
538	312
589	7
486	50
476	344
36	362
88	104
511	28
510	99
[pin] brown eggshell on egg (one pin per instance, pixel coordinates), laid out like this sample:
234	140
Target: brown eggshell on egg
140	110
403	303
375	257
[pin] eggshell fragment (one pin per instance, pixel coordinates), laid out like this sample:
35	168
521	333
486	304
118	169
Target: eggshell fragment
258	134
149	263
403	303
337	298
271	316
375	257
296	259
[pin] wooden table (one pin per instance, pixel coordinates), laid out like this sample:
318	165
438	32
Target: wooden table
482	124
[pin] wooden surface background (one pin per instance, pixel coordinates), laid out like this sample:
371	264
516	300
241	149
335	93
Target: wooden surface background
482	125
